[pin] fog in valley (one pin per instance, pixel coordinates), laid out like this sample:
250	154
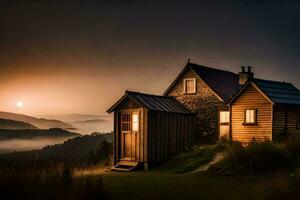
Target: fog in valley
11	145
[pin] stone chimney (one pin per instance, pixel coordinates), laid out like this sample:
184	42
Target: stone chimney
244	75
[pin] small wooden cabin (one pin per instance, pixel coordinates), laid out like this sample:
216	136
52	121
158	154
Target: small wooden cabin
149	129
265	110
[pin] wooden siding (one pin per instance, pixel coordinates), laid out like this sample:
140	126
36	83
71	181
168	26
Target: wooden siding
285	123
160	135
168	134
251	98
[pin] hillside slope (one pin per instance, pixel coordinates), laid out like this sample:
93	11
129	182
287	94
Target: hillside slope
6	134
76	150
15	125
38	122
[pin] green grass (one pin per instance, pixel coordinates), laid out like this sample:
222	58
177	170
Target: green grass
61	182
192	159
162	185
264	157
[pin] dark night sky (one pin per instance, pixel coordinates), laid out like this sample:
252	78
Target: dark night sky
76	56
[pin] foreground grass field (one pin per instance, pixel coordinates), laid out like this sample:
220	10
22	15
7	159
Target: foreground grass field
256	172
162	185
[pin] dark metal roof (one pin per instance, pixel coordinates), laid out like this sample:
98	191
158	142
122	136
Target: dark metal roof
224	83
279	92
154	102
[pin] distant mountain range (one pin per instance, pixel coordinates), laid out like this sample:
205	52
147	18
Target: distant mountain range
89	121
74	117
86	123
36	133
15	125
37	122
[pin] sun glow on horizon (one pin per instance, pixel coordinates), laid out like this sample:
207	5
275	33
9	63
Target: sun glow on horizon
19	104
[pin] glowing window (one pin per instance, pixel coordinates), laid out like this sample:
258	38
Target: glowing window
135	122
224	117
250	116
189	85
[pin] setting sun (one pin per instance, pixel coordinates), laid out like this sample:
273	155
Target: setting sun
19	104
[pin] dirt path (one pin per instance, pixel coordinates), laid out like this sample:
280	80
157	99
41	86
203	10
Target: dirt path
219	156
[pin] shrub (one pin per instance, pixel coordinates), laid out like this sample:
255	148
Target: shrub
255	158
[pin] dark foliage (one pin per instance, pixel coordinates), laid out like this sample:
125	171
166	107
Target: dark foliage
75	152
50	183
262	157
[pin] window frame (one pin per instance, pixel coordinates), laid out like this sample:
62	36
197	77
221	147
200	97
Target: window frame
255	116
185	88
224	123
126	121
298	118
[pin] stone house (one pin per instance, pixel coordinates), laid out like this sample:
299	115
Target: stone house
202	105
205	90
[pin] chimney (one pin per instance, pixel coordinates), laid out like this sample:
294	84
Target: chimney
245	76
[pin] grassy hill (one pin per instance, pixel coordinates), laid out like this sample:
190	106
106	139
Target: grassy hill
6	134
38	122
79	150
15	125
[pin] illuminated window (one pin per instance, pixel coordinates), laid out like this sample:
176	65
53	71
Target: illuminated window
189	85
224	117
250	116
135	122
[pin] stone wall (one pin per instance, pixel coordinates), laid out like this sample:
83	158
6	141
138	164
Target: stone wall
204	102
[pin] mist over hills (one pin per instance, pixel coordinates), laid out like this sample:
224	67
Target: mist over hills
41	123
86	123
76	117
15	125
73	150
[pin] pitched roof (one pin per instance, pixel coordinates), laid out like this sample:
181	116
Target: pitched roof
279	92
223	83
153	102
275	91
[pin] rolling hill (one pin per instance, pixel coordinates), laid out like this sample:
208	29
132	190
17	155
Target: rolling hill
6	134
38	122
75	150
15	125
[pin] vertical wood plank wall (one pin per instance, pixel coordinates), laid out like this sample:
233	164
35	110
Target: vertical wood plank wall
168	134
285	123
251	98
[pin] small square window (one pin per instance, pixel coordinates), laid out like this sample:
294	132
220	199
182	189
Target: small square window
250	116
189	86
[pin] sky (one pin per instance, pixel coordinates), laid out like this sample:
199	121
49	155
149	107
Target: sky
61	57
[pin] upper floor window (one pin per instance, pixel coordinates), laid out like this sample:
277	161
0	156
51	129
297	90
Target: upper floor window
189	86
224	117
250	116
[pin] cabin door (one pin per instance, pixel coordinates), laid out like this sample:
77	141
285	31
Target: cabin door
224	120
129	132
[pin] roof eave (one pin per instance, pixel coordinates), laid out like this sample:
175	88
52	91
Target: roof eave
176	79
245	86
112	108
